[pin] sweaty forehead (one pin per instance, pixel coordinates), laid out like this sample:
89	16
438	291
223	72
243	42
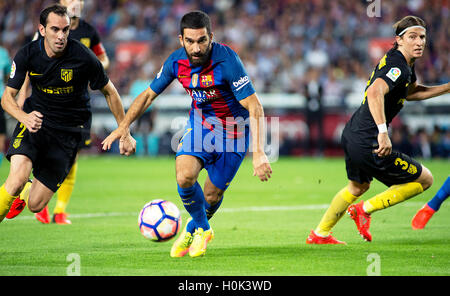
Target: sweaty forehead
195	34
54	20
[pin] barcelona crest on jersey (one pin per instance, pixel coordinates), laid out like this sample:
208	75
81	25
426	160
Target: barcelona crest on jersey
206	80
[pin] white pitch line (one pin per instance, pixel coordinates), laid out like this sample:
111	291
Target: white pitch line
222	210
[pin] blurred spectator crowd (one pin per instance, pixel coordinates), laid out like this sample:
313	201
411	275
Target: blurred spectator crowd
423	143
279	41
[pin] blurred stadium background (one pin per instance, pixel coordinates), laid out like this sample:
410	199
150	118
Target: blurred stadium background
293	51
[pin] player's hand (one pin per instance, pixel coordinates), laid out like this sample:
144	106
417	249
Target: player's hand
33	121
116	134
127	145
261	166
384	145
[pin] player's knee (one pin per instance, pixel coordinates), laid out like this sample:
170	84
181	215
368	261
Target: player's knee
358	189
184	179
426	178
212	198
35	206
15	184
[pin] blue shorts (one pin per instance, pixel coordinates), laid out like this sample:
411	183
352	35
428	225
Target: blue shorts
221	157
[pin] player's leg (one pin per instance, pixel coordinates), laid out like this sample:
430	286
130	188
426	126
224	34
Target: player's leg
359	183
19	172
63	196
213	198
220	175
398	193
408	178
341	201
40	195
22	154
187	169
422	217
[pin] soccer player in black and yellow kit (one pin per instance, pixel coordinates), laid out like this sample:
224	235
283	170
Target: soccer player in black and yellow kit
365	139
48	134
85	33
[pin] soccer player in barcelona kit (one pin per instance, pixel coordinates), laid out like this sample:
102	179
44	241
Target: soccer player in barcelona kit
216	135
49	131
87	35
366	143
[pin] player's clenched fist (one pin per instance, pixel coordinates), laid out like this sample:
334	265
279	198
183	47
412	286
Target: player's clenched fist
33	121
127	145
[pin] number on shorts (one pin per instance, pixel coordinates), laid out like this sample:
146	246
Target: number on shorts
23	127
410	168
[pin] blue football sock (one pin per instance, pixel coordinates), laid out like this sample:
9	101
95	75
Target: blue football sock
194	202
441	195
210	210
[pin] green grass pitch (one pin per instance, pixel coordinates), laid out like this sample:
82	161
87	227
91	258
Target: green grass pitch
260	229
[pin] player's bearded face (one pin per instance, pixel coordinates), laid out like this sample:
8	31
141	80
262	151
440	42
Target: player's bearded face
197	44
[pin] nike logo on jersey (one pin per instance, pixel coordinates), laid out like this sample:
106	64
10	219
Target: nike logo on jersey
35	74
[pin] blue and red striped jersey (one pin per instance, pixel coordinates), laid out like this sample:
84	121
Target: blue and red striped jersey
215	88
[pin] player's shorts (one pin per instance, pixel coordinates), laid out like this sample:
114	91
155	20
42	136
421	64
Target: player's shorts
52	153
2	122
363	165
86	136
221	161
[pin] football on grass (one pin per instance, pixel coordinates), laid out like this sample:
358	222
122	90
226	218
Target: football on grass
159	220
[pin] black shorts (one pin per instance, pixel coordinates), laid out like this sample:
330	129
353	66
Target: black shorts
52	152
2	122
86	136
363	165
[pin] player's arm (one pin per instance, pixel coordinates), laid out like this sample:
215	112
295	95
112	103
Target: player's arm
127	143
419	92
32	120
103	58
261	166
99	50
375	100
137	108
25	91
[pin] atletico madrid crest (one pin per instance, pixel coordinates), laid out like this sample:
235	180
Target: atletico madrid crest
66	74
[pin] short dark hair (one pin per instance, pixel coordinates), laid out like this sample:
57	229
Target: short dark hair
55	8
407	21
195	20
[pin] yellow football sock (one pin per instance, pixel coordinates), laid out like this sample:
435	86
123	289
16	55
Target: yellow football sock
342	200
6	201
25	194
65	191
392	196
